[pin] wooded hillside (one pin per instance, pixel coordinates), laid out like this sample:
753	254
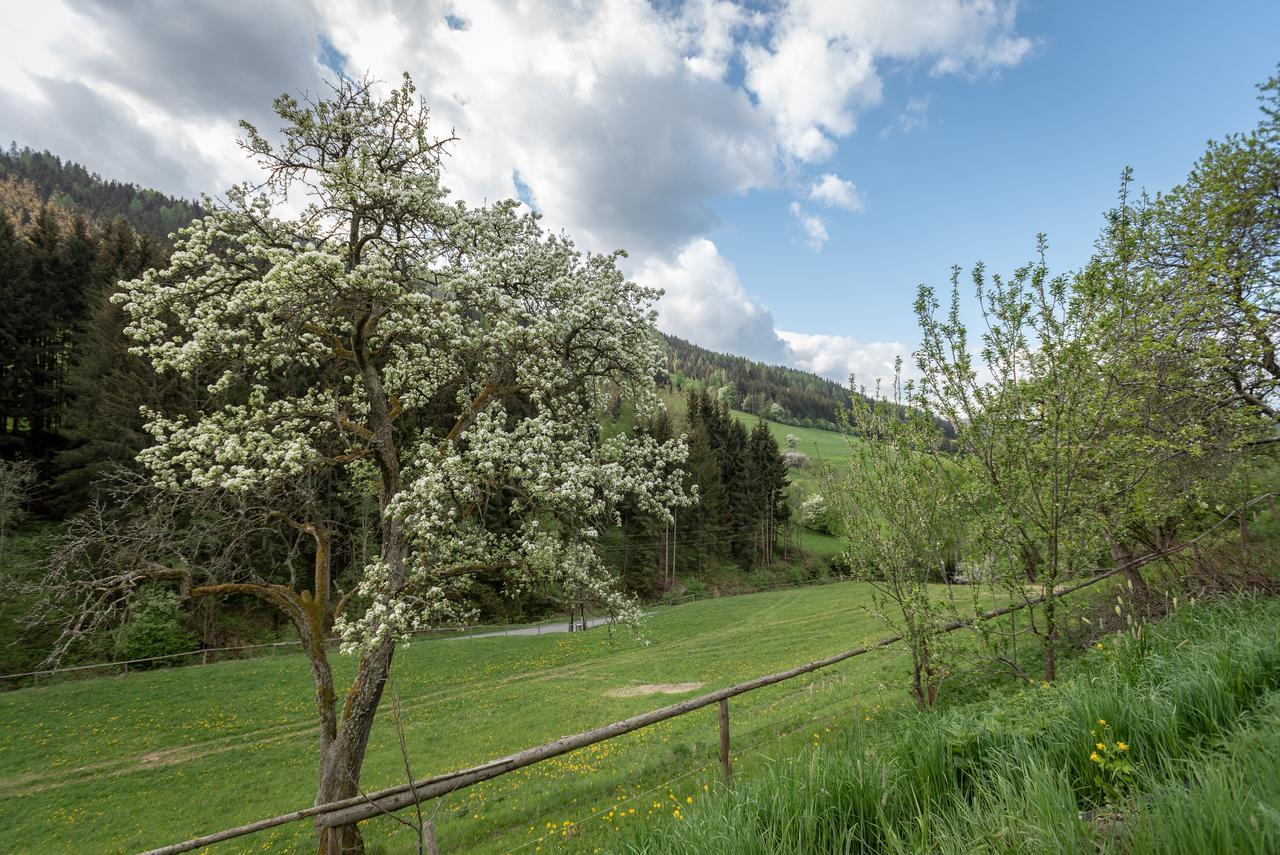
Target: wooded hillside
781	394
30	180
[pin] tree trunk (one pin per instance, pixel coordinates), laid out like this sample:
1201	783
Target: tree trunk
917	688
666	552
1123	557
675	542
339	768
923	688
340	763
1050	635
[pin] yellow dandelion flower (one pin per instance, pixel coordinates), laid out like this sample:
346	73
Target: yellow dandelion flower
1095	758
1100	745
1122	746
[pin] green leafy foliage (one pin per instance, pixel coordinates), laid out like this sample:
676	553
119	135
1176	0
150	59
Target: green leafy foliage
898	516
155	628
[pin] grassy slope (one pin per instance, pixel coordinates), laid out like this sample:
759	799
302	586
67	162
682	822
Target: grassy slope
120	764
822	446
1196	705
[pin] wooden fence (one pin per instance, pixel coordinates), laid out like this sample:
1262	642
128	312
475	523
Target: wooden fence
382	802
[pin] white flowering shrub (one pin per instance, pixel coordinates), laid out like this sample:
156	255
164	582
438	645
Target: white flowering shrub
795	459
814	513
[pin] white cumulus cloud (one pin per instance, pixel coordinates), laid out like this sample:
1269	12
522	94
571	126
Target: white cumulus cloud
835	192
618	120
705	303
823	61
837	356
815	229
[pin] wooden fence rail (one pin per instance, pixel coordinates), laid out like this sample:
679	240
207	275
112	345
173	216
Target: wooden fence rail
367	806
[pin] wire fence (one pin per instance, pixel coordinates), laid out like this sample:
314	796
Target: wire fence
211	655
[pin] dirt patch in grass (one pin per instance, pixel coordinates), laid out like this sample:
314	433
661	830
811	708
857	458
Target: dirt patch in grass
653	689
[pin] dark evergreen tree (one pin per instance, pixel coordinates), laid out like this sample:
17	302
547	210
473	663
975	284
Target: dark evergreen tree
15	271
768	485
35	354
107	385
647	542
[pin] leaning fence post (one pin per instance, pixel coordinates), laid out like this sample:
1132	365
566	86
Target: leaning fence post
433	848
724	741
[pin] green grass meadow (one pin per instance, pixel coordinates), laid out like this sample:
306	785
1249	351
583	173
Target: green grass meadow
126	763
1186	716
819	444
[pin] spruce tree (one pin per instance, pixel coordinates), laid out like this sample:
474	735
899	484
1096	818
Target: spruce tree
14	330
768	486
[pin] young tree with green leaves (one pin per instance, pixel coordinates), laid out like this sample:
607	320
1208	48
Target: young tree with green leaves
1174	430
1030	428
899	513
1214	244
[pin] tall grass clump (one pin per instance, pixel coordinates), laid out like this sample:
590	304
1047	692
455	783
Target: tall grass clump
1227	803
1163	740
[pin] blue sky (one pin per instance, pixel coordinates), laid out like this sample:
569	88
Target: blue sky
1039	147
787	172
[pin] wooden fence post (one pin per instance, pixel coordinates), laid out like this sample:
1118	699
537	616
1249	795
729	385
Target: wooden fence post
433	848
724	742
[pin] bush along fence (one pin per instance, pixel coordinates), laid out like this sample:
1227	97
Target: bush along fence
210	655
387	801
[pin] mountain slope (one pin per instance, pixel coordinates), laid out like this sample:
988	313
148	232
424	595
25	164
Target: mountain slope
786	395
31	179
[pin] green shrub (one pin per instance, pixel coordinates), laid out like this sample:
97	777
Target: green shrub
796	573
693	585
155	628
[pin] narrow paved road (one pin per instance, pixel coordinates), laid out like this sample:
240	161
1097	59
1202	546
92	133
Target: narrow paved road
540	629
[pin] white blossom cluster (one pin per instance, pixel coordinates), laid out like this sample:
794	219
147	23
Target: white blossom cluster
477	348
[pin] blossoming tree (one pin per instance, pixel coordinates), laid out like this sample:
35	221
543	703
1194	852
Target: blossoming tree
452	359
